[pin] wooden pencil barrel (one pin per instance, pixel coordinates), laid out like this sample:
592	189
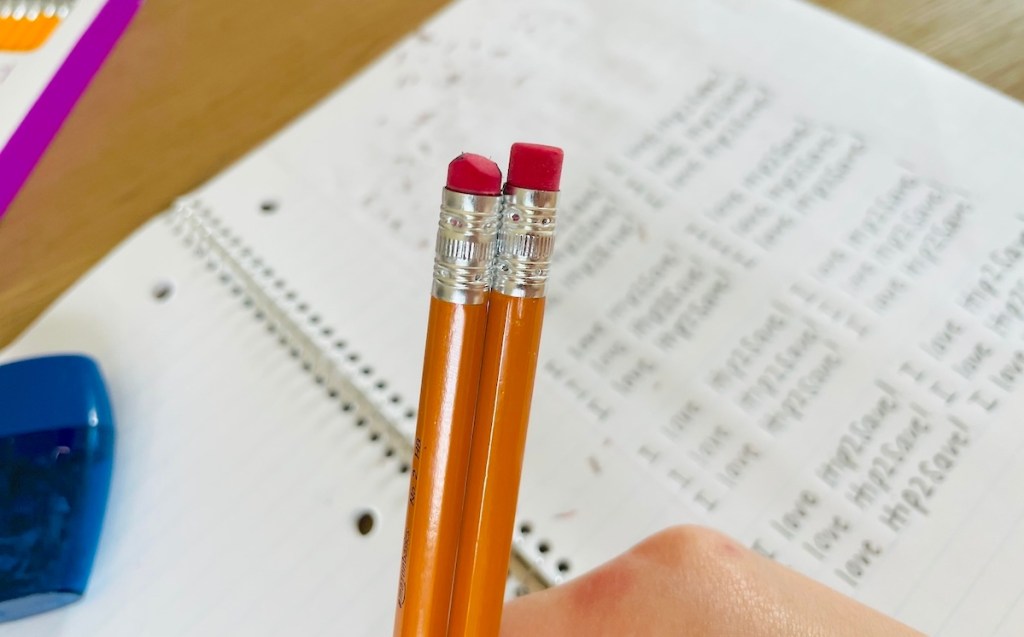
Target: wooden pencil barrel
496	462
448	395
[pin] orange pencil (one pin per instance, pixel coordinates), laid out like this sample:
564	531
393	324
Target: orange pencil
448	394
525	242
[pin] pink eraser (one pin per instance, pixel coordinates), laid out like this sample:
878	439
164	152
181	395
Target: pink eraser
474	175
535	167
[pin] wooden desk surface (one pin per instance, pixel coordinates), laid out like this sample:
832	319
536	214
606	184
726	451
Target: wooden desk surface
195	84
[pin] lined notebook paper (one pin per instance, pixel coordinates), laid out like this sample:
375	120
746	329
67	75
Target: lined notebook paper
787	303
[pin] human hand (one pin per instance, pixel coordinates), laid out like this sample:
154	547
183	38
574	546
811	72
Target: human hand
696	582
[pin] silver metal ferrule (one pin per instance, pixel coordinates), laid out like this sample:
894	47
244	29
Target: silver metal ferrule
526	240
465	249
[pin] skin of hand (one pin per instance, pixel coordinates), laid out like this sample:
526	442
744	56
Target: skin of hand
693	581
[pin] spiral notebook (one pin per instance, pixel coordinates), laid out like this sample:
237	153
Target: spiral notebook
786	302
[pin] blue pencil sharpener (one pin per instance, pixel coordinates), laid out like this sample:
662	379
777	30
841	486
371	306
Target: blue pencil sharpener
56	453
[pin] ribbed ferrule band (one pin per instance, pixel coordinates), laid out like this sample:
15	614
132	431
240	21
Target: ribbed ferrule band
526	241
464	252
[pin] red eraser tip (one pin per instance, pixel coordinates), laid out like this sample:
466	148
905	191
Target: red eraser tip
535	167
474	175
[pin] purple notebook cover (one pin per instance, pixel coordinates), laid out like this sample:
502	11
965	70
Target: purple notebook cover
28	142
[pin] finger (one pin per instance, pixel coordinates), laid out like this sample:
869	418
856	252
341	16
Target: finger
698	582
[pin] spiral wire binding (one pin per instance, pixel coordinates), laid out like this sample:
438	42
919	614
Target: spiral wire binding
302	332
32	9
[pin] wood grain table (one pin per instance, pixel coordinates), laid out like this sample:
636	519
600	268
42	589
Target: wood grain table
195	84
